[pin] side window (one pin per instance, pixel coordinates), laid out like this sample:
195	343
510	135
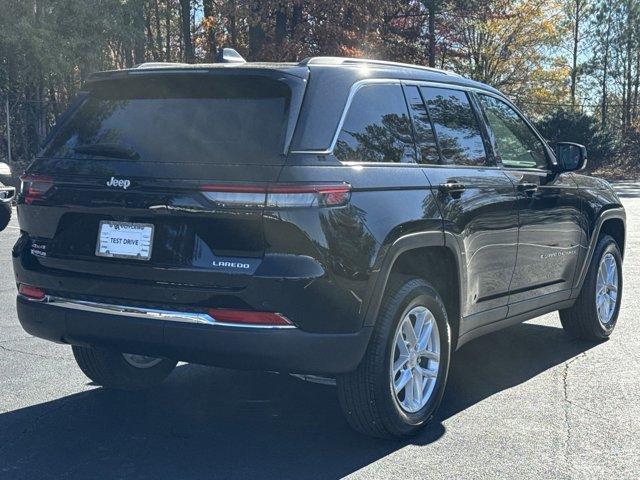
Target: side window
518	146
377	127
425	137
456	126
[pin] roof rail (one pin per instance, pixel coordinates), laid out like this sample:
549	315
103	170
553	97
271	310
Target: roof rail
161	65
364	61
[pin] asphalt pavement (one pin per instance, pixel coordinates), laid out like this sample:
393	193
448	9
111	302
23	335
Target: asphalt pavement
526	402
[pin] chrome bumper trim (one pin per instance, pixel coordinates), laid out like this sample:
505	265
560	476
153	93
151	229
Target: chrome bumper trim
148	313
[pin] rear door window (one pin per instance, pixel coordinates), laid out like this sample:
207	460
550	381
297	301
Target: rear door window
184	120
456	126
425	136
377	127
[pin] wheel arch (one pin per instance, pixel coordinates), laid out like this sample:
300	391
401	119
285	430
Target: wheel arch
424	255
611	221
615	227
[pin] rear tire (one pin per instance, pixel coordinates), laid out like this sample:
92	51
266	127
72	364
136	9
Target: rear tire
584	320
113	370
370	398
5	216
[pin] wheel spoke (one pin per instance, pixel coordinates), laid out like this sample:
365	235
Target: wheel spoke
402	346
430	355
425	336
408	390
421	319
399	363
418	387
428	373
611	270
409	333
601	276
404	378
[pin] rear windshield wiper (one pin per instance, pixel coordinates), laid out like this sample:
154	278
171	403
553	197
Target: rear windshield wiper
107	150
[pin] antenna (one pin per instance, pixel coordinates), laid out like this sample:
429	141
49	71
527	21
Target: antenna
229	55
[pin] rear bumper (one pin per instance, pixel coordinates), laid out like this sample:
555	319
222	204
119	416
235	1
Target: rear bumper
194	340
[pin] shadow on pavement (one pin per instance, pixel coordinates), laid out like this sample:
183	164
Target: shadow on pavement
205	422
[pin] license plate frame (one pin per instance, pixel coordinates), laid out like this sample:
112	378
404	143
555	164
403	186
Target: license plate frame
142	232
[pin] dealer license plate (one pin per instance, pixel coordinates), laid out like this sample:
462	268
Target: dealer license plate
125	240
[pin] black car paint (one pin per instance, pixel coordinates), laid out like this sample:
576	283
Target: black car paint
324	268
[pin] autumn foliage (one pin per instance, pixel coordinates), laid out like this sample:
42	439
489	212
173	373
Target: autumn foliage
579	56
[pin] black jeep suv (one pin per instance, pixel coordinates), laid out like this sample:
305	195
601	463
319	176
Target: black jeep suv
352	219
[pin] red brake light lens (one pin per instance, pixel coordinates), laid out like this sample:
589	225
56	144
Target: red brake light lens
33	187
292	195
31	292
280	195
248	317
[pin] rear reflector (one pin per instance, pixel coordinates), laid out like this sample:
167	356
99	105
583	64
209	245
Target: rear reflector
33	187
278	195
248	317
29	291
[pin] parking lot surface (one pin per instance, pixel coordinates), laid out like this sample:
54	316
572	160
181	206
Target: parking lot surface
526	402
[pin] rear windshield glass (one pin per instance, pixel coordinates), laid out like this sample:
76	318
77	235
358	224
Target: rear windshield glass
208	120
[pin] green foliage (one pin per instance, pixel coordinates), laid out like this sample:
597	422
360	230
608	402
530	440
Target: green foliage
566	125
544	54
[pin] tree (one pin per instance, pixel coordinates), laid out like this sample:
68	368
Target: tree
185	15
209	24
507	45
578	13
569	125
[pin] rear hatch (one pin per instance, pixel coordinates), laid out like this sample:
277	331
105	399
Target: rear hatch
154	174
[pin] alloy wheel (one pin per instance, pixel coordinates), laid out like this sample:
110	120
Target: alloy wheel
415	359
607	288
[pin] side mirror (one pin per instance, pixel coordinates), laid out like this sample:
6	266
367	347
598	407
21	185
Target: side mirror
5	171
571	156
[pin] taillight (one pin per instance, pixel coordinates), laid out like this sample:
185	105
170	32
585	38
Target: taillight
248	317
243	196
285	196
29	291
33	187
279	195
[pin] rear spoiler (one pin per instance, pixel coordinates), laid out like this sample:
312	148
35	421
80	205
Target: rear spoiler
237	68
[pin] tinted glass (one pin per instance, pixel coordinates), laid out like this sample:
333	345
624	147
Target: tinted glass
518	146
377	127
425	138
456	126
224	120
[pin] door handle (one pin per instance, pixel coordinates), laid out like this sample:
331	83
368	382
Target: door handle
452	187
527	187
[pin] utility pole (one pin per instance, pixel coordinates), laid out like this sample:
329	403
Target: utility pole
6	108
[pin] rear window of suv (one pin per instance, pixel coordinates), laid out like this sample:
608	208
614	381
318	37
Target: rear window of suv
184	120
